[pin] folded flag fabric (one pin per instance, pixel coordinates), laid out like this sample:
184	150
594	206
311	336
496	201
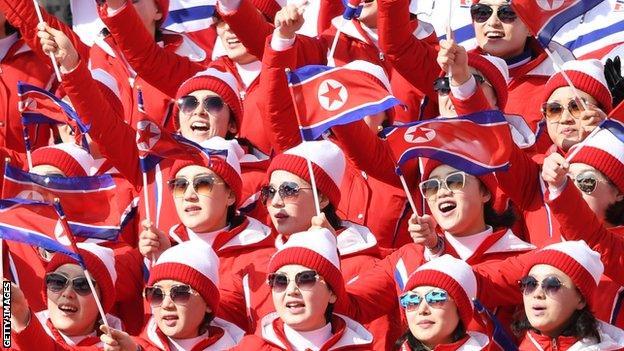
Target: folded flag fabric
478	143
105	216
34	223
327	96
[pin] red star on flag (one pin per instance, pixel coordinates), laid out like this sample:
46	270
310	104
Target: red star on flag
146	134
332	94
417	134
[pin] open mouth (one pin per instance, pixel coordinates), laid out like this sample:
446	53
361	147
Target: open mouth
200	126
447	206
232	41
295	307
495	35
170	320
68	309
192	209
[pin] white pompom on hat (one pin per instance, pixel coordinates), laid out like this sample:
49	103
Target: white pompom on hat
574	258
328	165
453	275
194	263
315	249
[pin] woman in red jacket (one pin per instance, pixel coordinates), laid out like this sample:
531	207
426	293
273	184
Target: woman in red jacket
184	296
557	285
71	320
305	283
438	306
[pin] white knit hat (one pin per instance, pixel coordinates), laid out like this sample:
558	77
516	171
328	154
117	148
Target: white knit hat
605	152
100	262
228	167
586	75
574	258
328	164
453	275
70	158
192	262
315	249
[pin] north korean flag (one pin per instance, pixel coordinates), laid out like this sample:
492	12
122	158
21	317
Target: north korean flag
545	17
105	216
328	96
34	223
478	143
155	144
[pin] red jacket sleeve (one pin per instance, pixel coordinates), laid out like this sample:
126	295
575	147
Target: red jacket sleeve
497	282
159	67
328	10
579	222
98	106
250	27
475	103
279	118
23	16
414	59
367	151
521	182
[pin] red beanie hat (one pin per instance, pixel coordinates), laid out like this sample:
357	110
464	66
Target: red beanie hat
586	75
100	262
70	158
328	165
315	249
222	83
228	167
496	72
268	8
575	259
194	263
453	275
605	152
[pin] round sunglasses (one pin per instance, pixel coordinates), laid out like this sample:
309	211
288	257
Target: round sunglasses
452	182
442	85
286	190
179	294
57	282
410	300
551	285
304	280
587	181
480	13
212	104
202	185
554	110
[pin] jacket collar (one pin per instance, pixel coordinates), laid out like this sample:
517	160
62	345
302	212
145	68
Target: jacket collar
473	341
354	238
247	234
44	319
501	241
222	335
347	332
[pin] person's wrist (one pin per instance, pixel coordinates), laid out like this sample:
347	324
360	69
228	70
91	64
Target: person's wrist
437	246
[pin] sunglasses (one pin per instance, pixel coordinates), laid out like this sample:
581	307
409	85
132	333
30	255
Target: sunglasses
286	190
550	285
442	85
201	184
57	282
587	182
304	280
435	298
212	104
480	13
553	110
179	294
452	182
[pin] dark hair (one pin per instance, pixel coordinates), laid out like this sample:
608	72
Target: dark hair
582	324
332	216
493	218
615	213
233	218
205	324
8	28
329	312
417	345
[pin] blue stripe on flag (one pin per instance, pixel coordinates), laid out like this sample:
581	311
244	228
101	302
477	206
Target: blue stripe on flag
94	232
61	183
595	36
399	279
302	74
189	14
312	133
615	127
499	335
450	159
9	232
555	23
461	34
29	118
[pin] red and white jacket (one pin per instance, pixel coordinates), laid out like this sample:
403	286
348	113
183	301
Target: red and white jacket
611	338
347	335
473	341
221	335
40	334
